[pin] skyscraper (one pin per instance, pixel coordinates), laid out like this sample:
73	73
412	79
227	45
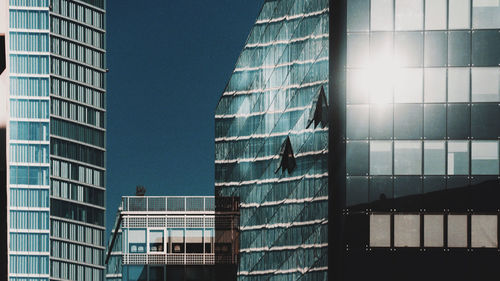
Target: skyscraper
56	139
362	137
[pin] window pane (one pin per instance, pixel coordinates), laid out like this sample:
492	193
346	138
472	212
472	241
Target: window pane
409	85
357	121
380	230
484	231
434	158
486	14
457	231
435	14
406	186
409	49
484	123
156	241
406	230
433	230
435	84
381	49
357	158
380	188
381	158
458	121
137	240
357	91
485	50
407	158
382	15
436	48
381	121
357	190
458	84
409	14
434	121
357	15
458	158
357	49
459	48
408	121
485	84
431	184
484	157
459	14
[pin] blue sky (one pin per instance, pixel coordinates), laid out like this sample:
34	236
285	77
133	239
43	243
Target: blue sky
169	62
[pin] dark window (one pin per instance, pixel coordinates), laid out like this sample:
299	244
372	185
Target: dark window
357	158
435	48
408	121
485	50
2	53
357	121
485	124
357	190
434	121
381	121
459	48
380	188
458	121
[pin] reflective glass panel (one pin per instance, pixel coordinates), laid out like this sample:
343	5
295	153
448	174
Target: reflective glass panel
458	84
381	121
356	88
407	157
435	14
484	157
485	51
381	15
459	48
436	47
409	14
434	158
380	188
458	121
406	186
484	231
409	49
457	231
433	230
357	158
406	230
358	15
357	121
485	121
381	49
408	85
357	49
485	84
459	14
380	157
435	84
434	121
485	14
380	230
356	190
458	157
408	121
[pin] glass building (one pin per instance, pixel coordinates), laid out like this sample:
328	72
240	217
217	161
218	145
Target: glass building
371	126
164	238
56	139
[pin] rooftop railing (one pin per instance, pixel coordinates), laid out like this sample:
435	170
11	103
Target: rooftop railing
168	203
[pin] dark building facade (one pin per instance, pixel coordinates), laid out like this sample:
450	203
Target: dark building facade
410	103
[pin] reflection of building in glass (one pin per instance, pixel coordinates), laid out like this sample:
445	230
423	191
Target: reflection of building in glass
165	238
409	158
55	130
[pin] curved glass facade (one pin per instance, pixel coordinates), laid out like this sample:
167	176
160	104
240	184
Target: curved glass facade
277	80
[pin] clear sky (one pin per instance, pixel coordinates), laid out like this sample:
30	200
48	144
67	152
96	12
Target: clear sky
169	62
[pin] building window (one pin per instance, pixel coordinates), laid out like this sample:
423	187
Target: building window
485	14
435	85
484	231
407	158
435	14
380	230
459	14
457	231
434	158
209	240
485	84
194	241
177	240
3	59
458	158
381	158
406	230
382	15
137	240
484	157
433	230
458	84
156	241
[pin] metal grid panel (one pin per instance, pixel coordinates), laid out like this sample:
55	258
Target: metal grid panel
137	204
209	222
137	222
156	222
176	204
194	222
157	204
175	222
195	204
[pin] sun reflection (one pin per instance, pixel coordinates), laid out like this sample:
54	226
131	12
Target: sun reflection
381	76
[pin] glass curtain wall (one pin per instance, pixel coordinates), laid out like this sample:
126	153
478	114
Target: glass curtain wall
77	139
29	140
272	93
422	96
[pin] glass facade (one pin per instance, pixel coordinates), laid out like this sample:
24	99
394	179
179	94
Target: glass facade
268	153
422	95
57	139
29	248
77	139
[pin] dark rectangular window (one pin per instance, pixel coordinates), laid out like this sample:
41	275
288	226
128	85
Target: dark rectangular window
2	53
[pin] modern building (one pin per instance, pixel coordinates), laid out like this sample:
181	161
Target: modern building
362	139
168	238
55	96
